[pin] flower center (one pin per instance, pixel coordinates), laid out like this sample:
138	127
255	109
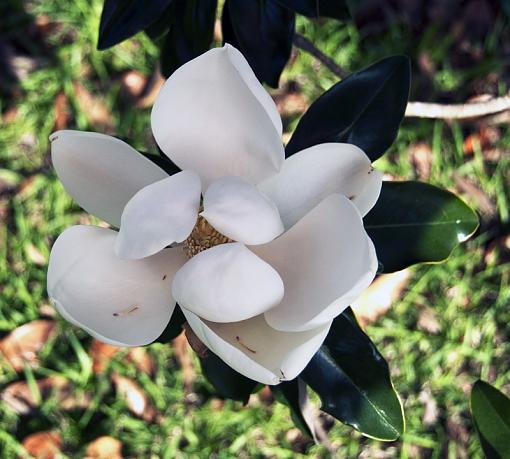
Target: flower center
202	237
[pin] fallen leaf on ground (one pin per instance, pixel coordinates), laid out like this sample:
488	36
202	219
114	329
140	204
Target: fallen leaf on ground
105	448
142	360
184	358
101	354
133	83
20	398
431	411
421	159
427	321
135	397
479	198
61	109
484	138
93	107
35	255
22	344
43	445
291	103
378	298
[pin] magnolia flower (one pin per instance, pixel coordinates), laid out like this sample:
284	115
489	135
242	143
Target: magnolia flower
261	253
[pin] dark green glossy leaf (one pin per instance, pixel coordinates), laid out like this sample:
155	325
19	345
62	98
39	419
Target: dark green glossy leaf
505	5
336	9
262	30
122	19
174	327
227	382
293	394
163	162
190	34
414	222
491	413
353	381
365	109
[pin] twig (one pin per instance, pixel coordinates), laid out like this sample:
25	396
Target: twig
303	43
458	111
418	109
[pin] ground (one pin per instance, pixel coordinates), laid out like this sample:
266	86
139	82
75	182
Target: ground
449	326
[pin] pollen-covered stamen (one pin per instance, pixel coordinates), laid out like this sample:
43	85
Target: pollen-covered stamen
203	237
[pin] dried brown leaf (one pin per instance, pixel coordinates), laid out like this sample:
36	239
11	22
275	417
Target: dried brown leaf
136	399
421	159
378	298
22	345
476	194
35	255
43	445
151	90
133	84
427	321
142	360
101	354
291	103
61	108
20	398
184	357
93	107
104	448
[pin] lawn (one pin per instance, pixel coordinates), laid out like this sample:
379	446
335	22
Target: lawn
449	326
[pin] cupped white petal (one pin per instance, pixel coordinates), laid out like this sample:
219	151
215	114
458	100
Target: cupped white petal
326	260
227	283
365	200
158	215
237	209
310	175
100	172
211	117
256	350
248	75
121	302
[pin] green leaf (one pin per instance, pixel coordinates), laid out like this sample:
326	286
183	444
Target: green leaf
190	34
336	9
491	413
293	394
263	31
353	381
227	382
174	327
365	109
122	19
414	222
163	162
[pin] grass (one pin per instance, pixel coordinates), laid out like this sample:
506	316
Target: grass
469	294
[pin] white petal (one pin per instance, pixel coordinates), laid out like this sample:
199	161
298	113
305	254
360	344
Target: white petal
211	117
125	303
251	80
100	172
237	209
159	215
227	283
310	175
326	260
365	200
256	350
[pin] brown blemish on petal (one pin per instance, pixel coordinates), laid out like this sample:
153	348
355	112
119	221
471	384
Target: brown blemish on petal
164	277
245	346
126	313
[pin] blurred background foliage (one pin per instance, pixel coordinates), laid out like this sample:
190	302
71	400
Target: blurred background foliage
66	394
